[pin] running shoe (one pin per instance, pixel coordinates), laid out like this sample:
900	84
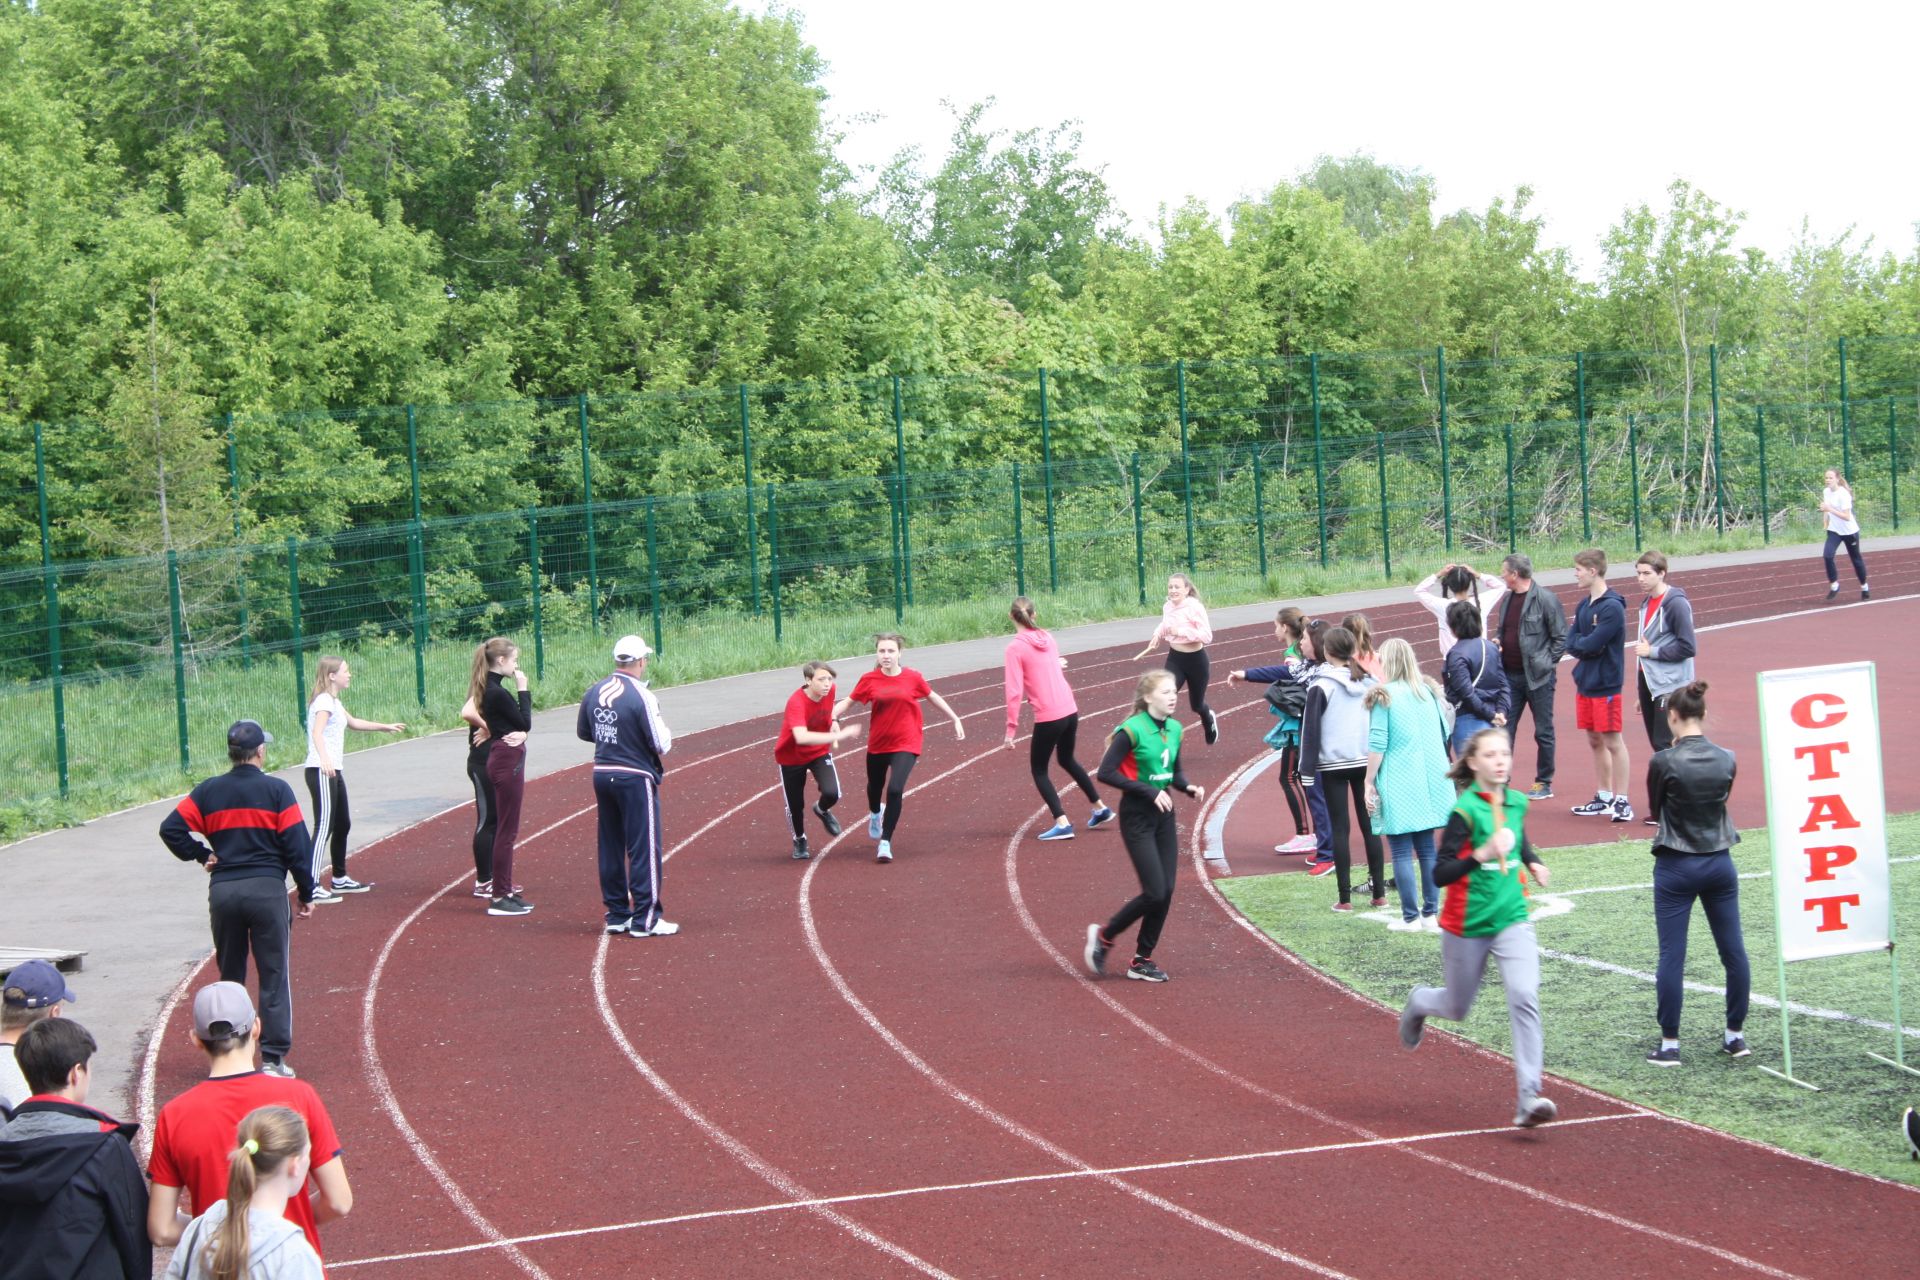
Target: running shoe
1404	926
1622	811
1736	1047
874	827
619	924
1061	830
276	1067
1540	791
661	929
1379	903
1096	952
827	820
1101	817
322	895
1593	808
1535	1113
885	852
1664	1057
1343	906
1145	970
1866	592
800	851
511	905
1910	1130
1299	844
1833	591
1211	723
483	888
1413	1027
347	884
1320	868
1650	822
1430	923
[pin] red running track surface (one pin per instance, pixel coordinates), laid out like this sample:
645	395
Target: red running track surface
855	1069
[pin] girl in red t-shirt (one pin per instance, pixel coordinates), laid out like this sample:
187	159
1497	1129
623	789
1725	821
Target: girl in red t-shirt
808	735
893	745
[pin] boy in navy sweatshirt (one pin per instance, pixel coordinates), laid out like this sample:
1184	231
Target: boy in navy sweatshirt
1597	640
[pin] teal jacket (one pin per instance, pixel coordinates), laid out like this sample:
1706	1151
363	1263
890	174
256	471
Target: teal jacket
1407	732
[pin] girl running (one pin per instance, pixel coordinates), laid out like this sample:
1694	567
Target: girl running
1287	705
1333	735
485	817
1362	632
808	735
1034	665
327	725
247	1234
1407	787
1836	504
1484	855
509	719
1142	763
1437	591
893	747
1186	632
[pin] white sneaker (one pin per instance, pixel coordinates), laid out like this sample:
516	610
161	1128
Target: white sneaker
874	827
1430	923
1535	1113
322	895
1404	926
661	929
885	852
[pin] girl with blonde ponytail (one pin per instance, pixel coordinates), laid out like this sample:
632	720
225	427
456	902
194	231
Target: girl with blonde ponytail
247	1236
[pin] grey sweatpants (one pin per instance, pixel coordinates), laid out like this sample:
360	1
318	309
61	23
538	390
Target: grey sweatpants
1465	962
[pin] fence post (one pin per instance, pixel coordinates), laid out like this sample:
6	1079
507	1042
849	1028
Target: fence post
1633	462
1139	531
1046	484
1446	468
417	548
653	577
586	497
413	460
1019	540
533	577
753	537
893	532
1846	420
1586	503
1893	460
293	603
1513	544
233	487
1386	541
1186	460
1319	458
1260	511
1719	485
53	614
773	555
1766	509
179	657
900	469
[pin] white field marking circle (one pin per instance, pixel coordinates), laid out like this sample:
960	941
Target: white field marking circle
983	1184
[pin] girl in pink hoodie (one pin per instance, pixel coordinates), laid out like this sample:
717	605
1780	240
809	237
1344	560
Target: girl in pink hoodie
1034	667
1186	632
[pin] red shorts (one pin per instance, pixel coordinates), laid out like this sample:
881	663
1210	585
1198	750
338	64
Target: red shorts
1602	715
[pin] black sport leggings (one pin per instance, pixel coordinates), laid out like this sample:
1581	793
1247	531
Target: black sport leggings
1192	670
485	817
1342	785
331	820
1055	738
1851	541
793	782
889	770
1153	843
1290	784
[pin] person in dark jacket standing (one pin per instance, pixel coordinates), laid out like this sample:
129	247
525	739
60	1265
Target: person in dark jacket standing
1531	631
1665	648
252	836
1687	789
73	1203
509	719
621	718
1598	643
1475	683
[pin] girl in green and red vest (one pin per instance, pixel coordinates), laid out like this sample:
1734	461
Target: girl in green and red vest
1484	859
1143	764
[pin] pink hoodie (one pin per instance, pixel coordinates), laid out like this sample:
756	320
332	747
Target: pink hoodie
1184	623
1034	675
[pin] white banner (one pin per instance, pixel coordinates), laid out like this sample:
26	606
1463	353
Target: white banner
1826	809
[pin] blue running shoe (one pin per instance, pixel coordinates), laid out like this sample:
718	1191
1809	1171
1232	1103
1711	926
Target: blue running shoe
873	825
1061	830
1101	817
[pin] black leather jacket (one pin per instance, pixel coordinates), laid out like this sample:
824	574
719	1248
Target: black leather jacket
1687	787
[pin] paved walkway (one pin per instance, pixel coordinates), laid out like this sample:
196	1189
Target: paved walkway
150	929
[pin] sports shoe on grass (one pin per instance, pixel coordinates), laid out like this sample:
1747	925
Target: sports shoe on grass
1622	811
1145	970
1593	808
1404	926
1061	830
885	852
1413	1027
1430	923
347	884
1910	1130
322	894
1379	903
1343	906
661	929
874	827
1736	1047
800	851
276	1067
1664	1057
1101	817
827	820
1320	868
1096	952
1536	1113
511	905
1540	791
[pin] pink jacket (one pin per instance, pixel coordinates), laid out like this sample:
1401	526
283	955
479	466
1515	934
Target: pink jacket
1034	675
1185	623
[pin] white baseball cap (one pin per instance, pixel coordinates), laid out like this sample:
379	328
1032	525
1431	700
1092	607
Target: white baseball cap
627	648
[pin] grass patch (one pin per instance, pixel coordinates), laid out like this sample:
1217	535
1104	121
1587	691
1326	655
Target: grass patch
1600	1025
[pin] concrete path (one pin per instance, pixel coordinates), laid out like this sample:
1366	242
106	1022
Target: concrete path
110	888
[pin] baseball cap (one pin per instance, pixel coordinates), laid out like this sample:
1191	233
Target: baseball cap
36	985
247	735
222	1009
627	648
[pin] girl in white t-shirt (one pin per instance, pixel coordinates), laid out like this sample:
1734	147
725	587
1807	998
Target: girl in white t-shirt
1438	592
1836	504
327	725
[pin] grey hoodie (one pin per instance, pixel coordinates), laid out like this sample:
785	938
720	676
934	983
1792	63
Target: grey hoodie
1336	726
278	1249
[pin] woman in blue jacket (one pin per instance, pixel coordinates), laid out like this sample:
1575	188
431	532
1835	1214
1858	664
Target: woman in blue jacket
1476	682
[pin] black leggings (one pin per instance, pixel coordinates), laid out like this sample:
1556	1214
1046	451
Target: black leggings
1055	738
1192	670
1290	784
485	819
793	782
1153	842
1340	784
331	821
888	770
1851	541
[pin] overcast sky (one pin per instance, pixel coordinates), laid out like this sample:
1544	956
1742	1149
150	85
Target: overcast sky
1782	112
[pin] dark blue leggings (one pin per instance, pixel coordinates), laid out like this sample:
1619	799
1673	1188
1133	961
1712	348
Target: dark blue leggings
1851	541
1678	881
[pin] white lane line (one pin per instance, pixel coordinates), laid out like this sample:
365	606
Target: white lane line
1744	875
1215	830
947	1188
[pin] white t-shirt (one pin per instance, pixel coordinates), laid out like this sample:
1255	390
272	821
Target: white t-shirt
1840	500
1492	591
13	1085
335	732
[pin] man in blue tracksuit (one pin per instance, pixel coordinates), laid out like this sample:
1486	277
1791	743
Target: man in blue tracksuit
621	718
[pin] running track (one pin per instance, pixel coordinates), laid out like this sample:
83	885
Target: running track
855	1070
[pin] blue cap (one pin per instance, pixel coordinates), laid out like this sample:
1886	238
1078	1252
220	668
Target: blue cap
36	985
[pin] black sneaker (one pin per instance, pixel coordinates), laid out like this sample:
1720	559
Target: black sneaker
511	905
1211	723
1593	808
800	851
827	820
1736	1047
1096	952
1866	592
347	884
1910	1129
1833	591
1146	970
1664	1057
1622	811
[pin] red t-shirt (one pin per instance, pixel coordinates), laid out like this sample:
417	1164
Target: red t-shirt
897	725
198	1130
1653	605
804	713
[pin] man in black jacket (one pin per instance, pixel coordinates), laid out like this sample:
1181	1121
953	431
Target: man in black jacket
252	836
1532	635
73	1203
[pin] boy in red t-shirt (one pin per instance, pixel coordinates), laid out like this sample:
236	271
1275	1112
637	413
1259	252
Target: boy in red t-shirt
808	734
894	692
197	1131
